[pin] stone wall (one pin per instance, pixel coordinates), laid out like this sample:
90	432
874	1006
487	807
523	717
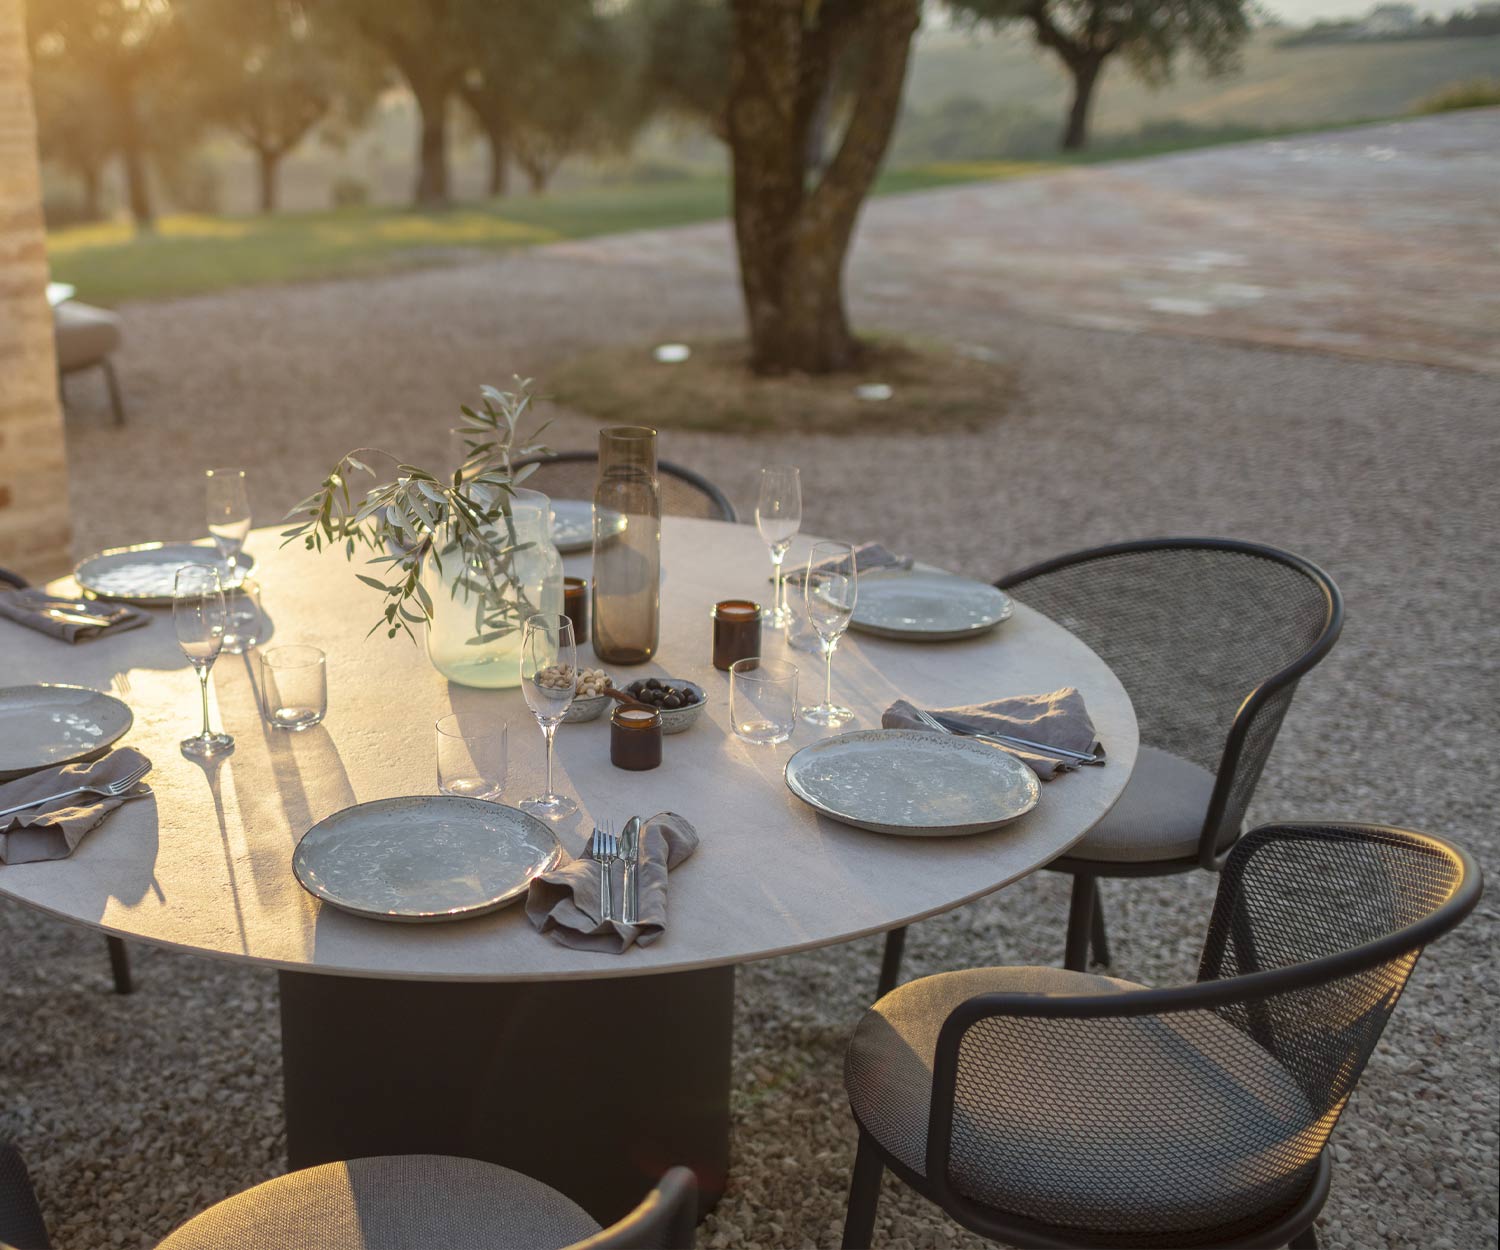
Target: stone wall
34	527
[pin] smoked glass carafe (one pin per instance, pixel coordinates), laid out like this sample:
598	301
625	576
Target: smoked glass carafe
627	547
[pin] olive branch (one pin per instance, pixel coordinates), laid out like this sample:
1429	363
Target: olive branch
418	517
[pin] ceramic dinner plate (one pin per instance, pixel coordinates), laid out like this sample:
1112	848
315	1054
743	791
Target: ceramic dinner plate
144	574
42	726
913	783
423	859
573	525
927	606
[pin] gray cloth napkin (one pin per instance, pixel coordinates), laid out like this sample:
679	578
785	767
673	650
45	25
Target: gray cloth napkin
868	557
1058	718
564	903
29	607
54	830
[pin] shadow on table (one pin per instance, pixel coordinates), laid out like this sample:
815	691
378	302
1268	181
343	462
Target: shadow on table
211	770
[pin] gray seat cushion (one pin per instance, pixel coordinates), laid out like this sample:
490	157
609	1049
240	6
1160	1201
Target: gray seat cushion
1159	816
403	1202
85	334
1147	1124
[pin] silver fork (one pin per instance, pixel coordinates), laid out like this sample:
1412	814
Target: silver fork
606	851
109	790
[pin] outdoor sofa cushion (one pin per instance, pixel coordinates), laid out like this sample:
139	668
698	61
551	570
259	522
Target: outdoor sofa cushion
85	335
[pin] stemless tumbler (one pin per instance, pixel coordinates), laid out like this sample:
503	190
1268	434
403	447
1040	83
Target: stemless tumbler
294	687
472	756
763	700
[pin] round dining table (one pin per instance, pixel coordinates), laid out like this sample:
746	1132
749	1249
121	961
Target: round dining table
590	1071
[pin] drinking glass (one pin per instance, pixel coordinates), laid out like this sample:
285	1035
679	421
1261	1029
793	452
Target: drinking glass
293	687
471	756
778	517
549	678
243	624
763	700
831	590
228	512
198	615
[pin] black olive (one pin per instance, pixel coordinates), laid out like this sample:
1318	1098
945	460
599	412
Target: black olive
673	701
653	683
689	698
635	687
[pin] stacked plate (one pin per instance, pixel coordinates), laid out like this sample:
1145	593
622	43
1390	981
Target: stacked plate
927	605
425	858
573	525
145	574
912	783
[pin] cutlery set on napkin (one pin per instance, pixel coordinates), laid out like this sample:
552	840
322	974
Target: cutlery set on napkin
568	903
46	814
1050	733
70	619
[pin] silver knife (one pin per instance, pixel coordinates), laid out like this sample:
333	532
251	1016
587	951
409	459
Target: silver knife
632	843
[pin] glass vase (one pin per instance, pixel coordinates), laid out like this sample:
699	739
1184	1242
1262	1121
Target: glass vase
626	625
479	608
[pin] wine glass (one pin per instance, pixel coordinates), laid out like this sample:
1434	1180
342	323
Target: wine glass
832	589
228	512
198	615
778	517
549	677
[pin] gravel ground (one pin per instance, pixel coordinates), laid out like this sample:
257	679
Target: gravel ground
136	1112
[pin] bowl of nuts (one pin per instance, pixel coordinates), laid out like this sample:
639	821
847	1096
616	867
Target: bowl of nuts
590	700
680	702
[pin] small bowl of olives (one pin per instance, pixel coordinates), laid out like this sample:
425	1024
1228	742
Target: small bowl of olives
680	702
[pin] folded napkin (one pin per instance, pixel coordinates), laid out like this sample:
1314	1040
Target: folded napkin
1058	719
54	830
868	558
30	607
564	903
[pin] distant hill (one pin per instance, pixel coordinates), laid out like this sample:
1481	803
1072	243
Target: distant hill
1277	87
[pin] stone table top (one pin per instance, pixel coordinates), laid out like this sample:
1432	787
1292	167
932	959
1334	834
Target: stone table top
205	865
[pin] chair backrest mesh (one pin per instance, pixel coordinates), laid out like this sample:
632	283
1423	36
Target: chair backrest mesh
1207	1122
1191	631
572	476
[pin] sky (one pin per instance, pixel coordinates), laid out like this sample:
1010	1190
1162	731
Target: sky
1299	12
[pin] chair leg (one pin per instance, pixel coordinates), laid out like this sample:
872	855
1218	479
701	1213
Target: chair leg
1080	921
119	965
890	961
1307	1239
1099	939
864	1196
113	383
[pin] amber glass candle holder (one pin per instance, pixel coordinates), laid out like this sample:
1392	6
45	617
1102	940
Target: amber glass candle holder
736	632
576	606
634	738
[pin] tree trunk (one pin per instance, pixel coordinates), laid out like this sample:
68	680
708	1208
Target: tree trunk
793	238
93	192
133	156
1085	73
268	166
538	175
432	145
496	185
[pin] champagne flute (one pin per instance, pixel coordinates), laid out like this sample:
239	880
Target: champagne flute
228	513
549	677
198	615
778	517
832	589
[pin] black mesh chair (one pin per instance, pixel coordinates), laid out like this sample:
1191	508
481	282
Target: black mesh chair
119	957
1043	1107
1209	637
571	474
20	1218
418	1202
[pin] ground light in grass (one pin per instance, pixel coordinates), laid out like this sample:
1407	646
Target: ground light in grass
929	386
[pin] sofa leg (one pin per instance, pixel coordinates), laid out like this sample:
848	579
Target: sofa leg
1099	939
864	1196
113	383
1080	923
890	961
119	965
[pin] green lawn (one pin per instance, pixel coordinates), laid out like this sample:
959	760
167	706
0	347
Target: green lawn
191	254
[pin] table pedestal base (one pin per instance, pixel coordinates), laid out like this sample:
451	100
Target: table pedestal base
594	1087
